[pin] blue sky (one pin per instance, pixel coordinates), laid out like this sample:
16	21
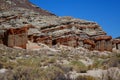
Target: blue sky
105	12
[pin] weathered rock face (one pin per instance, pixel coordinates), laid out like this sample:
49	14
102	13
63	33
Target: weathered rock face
43	27
103	43
116	43
16	37
12	4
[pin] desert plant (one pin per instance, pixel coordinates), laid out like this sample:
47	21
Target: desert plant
29	62
64	67
85	77
111	74
78	66
114	62
97	64
64	53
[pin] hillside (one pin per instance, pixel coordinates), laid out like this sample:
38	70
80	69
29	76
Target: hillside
52	30
38	45
14	4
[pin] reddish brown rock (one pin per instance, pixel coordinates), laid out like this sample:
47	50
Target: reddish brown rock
116	43
2	35
43	39
103	43
15	31
16	37
88	41
109	45
56	28
84	27
9	18
89	44
103	37
68	41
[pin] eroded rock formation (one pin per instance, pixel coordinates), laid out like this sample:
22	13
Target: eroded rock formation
28	23
116	43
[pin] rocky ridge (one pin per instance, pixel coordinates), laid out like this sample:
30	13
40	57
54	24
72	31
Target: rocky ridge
74	32
14	4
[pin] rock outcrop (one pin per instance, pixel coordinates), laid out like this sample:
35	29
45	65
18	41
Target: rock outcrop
116	44
44	27
14	4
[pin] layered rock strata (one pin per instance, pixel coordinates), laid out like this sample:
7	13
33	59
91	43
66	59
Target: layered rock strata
25	24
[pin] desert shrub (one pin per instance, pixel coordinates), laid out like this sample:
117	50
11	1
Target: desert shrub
10	65
85	77
97	64
1	64
26	73
7	64
43	58
64	53
111	74
48	61
104	56
7	76
3	59
51	60
78	66
34	73
76	56
35	62
114	62
64	67
55	73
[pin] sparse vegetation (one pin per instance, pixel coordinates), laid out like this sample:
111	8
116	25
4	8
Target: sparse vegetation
85	78
23	65
78	66
97	63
